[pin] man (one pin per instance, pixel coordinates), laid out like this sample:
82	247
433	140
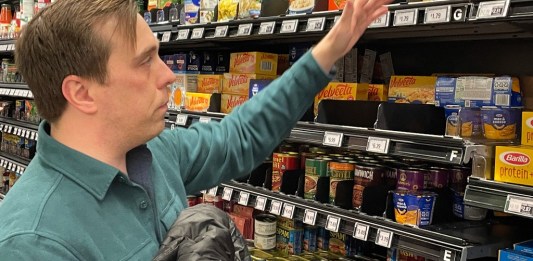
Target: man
107	182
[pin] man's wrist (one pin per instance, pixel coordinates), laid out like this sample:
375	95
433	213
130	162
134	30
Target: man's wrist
324	55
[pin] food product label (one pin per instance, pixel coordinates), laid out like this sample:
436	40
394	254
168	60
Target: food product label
254	63
513	164
342	91
230	102
209	83
412	89
500	123
527	128
239	83
378	92
197	101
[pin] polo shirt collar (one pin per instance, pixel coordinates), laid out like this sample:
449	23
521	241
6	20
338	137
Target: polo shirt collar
89	173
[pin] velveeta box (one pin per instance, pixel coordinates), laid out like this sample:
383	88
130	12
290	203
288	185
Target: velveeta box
230	101
342	91
336	5
254	62
527	128
210	83
202	102
239	83
412	89
378	92
513	165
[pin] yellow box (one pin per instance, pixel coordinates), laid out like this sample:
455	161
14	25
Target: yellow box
239	83
230	101
210	83
527	128
412	89
202	102
513	164
342	91
378	92
254	62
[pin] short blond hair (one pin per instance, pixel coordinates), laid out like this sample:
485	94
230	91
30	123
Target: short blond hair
63	39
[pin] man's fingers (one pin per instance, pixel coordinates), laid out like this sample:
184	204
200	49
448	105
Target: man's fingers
347	13
373	5
377	13
360	4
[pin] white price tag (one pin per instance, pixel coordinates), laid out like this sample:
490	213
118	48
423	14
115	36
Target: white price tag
9	129
18	169
25	93
243	198
521	206
3	47
336	19
378	145
289	26
288	211
32	136
221	31
4	129
23	134
31	95
360	231
227	193
315	24
492	9
213	191
9	165
183	34
36	136
197	33
181	119
437	14
17	130
2	91
172	126
405	17
333	223
5	164
275	207
22	170
204	119
11	92
166	37
17	92
310	217
267	27
12	47
1	162
384	238
260	203
333	139
244	29
28	133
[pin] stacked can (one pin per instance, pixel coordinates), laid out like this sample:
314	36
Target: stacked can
365	175
282	162
341	174
458	181
265	232
315	168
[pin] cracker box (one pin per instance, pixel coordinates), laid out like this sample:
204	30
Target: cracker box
336	5
202	102
295	53
231	101
527	128
256	86
412	89
340	243
513	164
209	83
378	92
526	247
342	91
254	63
239	83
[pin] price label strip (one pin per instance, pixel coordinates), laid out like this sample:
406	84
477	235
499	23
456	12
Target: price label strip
227	193
360	231
213	191
405	17
521	206
166	37
244	29
333	139
315	24
437	14
275	207
243	198
289	26
204	119
288	211
221	31
378	145
260	203
384	238
492	9
197	33
310	217
267	27
382	21
183	34
333	223
181	119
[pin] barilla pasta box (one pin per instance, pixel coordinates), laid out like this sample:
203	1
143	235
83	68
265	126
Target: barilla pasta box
231	101
202	102
526	246
527	128
342	91
378	92
254	63
239	83
514	255
412	89
210	83
513	165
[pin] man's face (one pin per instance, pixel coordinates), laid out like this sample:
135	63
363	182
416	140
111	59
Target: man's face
134	99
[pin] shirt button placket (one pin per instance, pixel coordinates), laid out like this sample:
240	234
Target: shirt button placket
143	204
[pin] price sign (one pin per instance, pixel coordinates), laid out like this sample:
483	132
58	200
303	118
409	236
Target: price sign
17	131
289	26
378	145
384	238
213	191
288	211
405	17
360	231
28	134
521	206
333	139
221	31
1	162
333	223
315	24
244	29
267	27
32	136
11	92
3	48
336	19
23	134
22	170
205	119
12	47
9	165
437	14
181	119
310	217
5	164
382	21
275	207
31	95
9	129
166	37
197	33
227	193
492	9
243	198
183	34
36	136
260	203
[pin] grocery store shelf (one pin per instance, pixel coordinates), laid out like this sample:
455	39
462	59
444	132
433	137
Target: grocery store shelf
500	196
29	132
458	241
6	158
17	123
14	85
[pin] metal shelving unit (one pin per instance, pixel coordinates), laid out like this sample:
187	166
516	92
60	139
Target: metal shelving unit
17	123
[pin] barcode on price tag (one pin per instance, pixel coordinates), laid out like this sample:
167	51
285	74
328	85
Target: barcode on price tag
221	31
384	238
289	26
275	207
310	217
243	198
204	119
244	29
333	139
267	27
333	223
405	17
260	203
227	193
492	9
213	191
378	145
288	211
197	33
315	24
382	21
183	34
360	231
166	37
521	206
181	119
437	14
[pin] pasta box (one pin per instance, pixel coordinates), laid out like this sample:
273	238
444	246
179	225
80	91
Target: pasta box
342	91
378	92
513	164
527	128
239	83
231	101
202	102
412	89
210	83
254	62
526	246
514	255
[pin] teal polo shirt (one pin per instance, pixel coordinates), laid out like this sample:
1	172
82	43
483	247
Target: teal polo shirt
69	206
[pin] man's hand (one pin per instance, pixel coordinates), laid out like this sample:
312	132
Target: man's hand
356	17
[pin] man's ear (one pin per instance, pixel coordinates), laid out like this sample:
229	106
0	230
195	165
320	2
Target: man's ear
76	91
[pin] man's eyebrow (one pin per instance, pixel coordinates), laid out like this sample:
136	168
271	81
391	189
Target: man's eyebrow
149	50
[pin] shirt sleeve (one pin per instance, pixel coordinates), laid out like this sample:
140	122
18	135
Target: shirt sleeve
219	151
29	247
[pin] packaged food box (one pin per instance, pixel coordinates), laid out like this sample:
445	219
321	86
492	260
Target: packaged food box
274	7
471	122
378	92
295	53
513	164
256	86
192	8
500	123
452	120
249	9
310	238
207	11
350	66
527	128
339	73
222	62
289	223
342	91
368	65
412	89
187	82
283	63
336	4
239	83
254	63
307	6
181	62
170	61
526	247
514	255
227	10
209	60
202	102
194	63
231	101
210	83
322	239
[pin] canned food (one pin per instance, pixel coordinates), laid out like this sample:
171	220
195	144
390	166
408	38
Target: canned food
437	178
282	162
341	176
470	119
466	212
364	176
310	238
500	123
304	156
314	169
265	224
410	179
414	207
459	177
265	242
322	239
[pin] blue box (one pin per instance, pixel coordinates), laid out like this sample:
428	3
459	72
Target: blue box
445	91
526	246
514	255
181	61
256	86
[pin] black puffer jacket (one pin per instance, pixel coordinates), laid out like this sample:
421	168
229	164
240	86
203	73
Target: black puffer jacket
203	232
